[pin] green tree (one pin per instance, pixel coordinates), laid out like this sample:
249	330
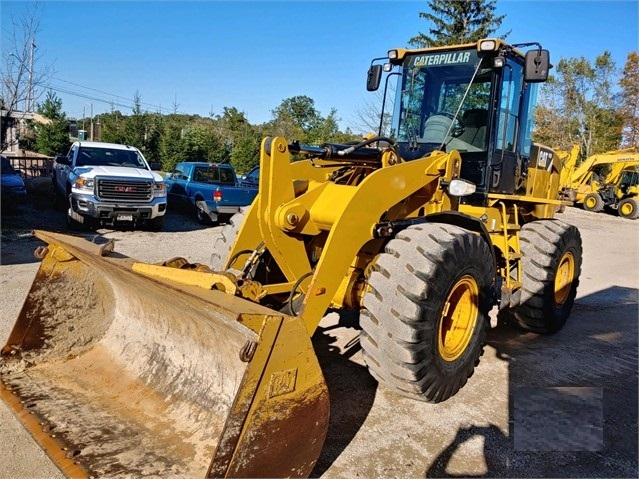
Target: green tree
169	143
458	21
153	133
199	143
246	151
295	118
578	106
112	127
629	108
134	130
52	136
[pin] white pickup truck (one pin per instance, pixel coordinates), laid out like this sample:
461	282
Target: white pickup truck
107	183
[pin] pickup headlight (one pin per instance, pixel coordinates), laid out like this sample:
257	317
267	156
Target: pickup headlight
159	189
83	183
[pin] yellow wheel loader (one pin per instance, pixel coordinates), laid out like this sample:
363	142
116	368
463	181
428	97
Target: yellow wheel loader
123	368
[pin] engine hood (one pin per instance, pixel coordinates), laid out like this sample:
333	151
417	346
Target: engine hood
118	171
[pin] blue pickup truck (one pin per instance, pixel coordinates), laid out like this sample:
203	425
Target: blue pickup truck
211	189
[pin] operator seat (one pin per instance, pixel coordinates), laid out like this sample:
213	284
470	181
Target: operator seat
475	123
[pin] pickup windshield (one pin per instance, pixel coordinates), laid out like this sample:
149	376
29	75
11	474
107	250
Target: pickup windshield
89	156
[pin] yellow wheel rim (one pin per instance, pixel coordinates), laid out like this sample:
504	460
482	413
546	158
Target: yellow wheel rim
591	202
458	319
627	208
564	278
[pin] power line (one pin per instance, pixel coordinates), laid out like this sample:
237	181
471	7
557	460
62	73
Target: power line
99	99
149	105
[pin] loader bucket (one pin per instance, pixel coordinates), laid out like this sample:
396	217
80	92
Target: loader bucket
116	374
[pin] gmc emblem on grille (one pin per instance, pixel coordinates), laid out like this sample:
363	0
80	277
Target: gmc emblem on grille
125	189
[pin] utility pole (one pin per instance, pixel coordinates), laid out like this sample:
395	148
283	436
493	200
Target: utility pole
91	121
30	88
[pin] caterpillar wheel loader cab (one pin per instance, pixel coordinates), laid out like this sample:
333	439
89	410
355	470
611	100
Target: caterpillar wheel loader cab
123	368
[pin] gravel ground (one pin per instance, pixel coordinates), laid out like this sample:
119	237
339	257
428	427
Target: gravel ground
557	406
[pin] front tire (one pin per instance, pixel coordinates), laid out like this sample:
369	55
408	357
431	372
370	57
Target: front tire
593	202
628	208
552	255
426	309
75	225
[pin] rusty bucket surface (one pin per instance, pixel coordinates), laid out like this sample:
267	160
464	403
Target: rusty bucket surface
116	374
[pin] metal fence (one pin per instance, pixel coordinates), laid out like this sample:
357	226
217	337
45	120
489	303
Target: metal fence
30	167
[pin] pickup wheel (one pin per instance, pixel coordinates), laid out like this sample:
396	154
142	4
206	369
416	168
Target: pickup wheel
75	225
202	217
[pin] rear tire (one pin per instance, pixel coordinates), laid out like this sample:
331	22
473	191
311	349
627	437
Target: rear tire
552	255
426	309
628	208
202	217
593	202
224	239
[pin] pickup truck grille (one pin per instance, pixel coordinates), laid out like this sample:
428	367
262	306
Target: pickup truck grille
124	190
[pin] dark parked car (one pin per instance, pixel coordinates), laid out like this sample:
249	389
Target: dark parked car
13	189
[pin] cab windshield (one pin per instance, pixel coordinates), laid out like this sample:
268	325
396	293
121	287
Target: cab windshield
443	102
90	156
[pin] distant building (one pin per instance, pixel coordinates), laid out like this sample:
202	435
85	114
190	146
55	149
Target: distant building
13	125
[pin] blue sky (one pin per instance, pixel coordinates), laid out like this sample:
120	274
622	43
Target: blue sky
206	55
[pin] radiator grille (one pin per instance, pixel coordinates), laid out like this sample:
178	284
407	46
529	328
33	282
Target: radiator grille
125	190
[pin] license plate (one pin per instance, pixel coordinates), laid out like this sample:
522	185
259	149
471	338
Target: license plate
124	218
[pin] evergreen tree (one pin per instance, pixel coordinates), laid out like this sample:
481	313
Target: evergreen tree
135	125
112	127
52	136
458	21
246	151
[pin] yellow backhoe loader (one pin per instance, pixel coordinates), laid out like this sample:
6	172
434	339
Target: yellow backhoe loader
127	369
617	189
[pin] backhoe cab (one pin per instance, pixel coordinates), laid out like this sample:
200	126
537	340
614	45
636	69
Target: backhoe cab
210	371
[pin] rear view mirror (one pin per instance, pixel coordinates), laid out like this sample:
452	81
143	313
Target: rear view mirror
374	77
537	65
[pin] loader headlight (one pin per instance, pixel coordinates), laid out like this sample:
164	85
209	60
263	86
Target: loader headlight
159	189
459	187
83	183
